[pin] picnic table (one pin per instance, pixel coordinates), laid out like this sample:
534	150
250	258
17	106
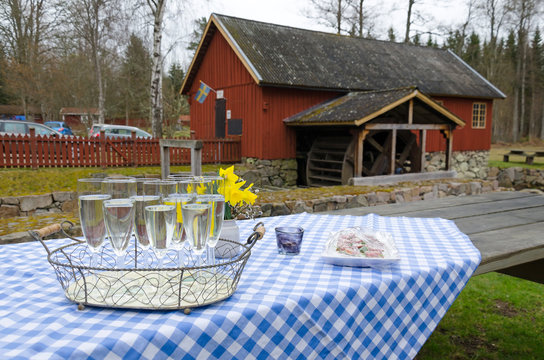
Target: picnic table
529	158
284	307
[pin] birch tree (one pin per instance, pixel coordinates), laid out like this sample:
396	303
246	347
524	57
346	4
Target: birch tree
93	21
332	13
23	27
157	8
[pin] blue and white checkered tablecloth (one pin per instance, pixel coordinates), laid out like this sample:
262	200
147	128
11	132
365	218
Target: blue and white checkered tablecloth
294	307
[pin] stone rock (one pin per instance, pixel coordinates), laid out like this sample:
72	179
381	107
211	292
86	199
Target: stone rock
10	200
463	167
356	201
266	209
460	157
300	207
69	206
14	238
7	211
428	196
290	164
372	198
252	177
33	202
383	197
279	209
62	196
276	181
475	188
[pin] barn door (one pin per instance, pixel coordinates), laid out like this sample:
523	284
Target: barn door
220	117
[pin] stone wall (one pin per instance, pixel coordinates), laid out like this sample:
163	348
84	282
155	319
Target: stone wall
56	202
518	178
280	173
467	164
387	196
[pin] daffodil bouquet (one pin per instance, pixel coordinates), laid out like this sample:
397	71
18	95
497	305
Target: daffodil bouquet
239	201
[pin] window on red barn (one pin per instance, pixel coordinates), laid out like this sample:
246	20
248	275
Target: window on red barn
478	115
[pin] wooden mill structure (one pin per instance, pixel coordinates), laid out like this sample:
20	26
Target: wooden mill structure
341	106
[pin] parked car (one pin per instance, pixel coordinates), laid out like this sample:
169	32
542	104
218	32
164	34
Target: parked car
117	131
60	126
10	127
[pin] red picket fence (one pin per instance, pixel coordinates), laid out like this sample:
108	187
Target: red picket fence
38	151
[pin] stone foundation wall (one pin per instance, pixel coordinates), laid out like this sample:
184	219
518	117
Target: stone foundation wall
56	202
280	173
387	196
518	178
467	164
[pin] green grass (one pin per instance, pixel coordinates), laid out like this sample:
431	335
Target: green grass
495	317
16	182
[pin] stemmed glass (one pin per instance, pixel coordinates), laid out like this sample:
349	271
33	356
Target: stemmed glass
140	202
119	214
179	237
196	222
91	215
215	197
162	188
160	222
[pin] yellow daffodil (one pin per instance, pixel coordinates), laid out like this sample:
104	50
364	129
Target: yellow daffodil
233	193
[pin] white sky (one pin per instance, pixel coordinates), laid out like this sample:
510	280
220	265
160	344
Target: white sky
387	13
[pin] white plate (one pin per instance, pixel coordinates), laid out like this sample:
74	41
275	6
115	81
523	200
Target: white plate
391	254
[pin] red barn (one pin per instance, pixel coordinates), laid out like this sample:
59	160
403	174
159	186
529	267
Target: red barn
295	93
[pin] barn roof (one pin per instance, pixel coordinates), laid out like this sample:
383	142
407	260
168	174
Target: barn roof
284	56
357	108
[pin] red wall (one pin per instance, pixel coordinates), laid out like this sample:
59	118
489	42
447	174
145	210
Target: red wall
262	109
465	138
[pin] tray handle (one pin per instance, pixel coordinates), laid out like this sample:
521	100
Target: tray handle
40	234
258	233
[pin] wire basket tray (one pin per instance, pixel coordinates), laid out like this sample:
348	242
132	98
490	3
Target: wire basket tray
141	284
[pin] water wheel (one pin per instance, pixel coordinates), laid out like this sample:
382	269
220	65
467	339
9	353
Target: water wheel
331	159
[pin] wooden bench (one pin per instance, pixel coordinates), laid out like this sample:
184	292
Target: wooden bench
529	158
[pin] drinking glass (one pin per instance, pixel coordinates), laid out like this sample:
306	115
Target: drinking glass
196	185
196	222
121	187
179	237
160	221
162	188
140	232
119	218
91	215
119	213
215	197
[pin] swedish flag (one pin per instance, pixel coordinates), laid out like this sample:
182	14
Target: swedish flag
202	92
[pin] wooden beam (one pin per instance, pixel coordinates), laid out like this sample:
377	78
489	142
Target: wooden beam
407	126
392	159
423	145
449	149
411	111
359	138
196	154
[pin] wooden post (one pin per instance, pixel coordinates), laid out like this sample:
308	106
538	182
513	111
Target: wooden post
423	145
411	111
393	160
133	160
165	161
449	148
196	161
103	163
358	163
34	149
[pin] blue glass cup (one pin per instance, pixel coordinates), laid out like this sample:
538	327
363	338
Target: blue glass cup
289	239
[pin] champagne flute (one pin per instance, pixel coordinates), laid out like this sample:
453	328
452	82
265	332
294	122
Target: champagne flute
119	218
160	221
216	189
162	188
140	232
179	237
197	227
119	214
91	215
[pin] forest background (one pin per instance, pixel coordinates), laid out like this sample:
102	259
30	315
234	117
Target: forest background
108	55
